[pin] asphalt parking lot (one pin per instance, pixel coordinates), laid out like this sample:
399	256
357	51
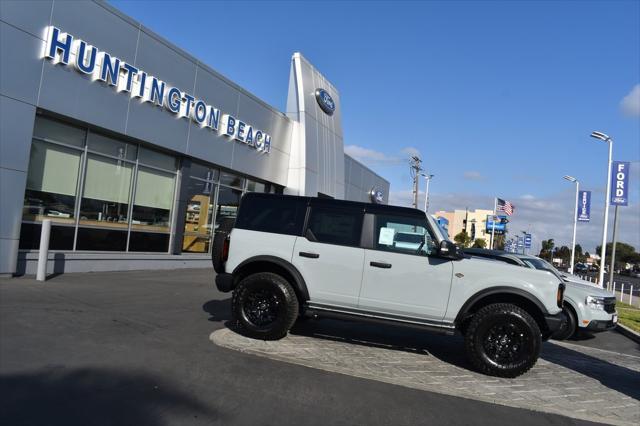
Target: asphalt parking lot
135	348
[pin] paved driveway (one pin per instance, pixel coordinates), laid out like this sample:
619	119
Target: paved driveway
134	348
572	380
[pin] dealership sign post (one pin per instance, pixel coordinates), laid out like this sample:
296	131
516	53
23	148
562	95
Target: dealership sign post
619	197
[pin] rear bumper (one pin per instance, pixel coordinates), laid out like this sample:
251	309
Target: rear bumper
224	282
554	322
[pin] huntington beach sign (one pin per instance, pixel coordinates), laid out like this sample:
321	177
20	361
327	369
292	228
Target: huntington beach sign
63	48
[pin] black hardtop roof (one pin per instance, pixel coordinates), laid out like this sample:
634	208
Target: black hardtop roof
486	252
331	202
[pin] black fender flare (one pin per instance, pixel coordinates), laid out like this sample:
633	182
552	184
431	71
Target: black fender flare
299	283
498	290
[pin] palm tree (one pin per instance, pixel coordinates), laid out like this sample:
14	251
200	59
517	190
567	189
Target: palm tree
547	247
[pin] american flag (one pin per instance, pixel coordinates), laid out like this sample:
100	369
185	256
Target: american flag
505	206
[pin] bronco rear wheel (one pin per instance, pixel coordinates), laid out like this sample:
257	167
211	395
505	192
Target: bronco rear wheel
503	340
264	306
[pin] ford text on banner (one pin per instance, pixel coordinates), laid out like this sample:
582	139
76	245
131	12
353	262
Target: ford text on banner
620	183
584	206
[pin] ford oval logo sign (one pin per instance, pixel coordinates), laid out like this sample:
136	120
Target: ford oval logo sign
376	195
325	101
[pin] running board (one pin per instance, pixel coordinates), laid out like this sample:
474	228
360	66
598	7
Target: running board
316	312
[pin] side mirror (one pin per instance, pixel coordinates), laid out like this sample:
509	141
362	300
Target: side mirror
449	250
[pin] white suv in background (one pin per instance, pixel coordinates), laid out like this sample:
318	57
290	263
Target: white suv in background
287	256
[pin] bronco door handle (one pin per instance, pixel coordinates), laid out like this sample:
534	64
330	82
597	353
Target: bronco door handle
380	265
309	255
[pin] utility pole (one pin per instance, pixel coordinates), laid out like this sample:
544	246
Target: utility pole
415	166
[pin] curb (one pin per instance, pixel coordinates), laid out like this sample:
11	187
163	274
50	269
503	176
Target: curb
626	331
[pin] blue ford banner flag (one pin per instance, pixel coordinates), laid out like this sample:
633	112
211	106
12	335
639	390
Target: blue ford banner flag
527	241
620	183
584	206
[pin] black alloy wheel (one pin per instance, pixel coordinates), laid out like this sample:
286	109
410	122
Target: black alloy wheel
503	340
264	306
568	327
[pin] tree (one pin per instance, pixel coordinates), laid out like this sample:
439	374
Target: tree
547	249
462	239
499	242
579	257
479	243
625	253
563	253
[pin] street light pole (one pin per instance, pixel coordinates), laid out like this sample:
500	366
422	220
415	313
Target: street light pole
603	249
427	179
575	222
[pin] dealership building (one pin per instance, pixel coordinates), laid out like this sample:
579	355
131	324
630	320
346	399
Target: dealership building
135	150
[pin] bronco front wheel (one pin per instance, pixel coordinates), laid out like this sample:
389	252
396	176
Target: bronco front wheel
503	340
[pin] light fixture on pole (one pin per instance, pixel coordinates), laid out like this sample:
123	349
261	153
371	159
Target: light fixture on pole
427	178
603	251
575	222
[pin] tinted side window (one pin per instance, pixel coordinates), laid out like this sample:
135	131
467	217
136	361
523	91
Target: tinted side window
336	226
273	214
403	234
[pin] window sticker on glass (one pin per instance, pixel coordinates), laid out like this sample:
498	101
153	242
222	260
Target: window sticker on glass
386	236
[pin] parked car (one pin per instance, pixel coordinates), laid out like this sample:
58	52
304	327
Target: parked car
580	267
288	256
586	305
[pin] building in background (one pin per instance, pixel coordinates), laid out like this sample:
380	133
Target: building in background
472	221
136	150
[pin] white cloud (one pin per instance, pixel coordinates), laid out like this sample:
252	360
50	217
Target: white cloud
366	155
630	104
474	175
528	197
372	157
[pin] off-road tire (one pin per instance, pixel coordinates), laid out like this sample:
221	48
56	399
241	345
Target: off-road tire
261	296
221	234
569	327
502	325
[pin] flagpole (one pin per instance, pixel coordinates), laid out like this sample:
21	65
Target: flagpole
493	221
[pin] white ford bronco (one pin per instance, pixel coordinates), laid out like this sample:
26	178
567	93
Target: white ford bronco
288	256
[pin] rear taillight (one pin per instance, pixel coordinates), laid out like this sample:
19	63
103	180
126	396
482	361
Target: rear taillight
560	295
225	250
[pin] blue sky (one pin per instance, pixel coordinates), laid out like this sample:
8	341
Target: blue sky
499	98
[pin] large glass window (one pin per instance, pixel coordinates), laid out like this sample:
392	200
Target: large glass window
112	147
106	194
154	200
403	234
228	202
335	226
152	210
230	179
199	216
52	182
56	131
254	186
107	184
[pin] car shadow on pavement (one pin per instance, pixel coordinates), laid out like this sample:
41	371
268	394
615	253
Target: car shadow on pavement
616	377
93	396
448	349
218	310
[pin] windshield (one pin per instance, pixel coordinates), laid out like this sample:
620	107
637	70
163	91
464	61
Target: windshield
543	265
